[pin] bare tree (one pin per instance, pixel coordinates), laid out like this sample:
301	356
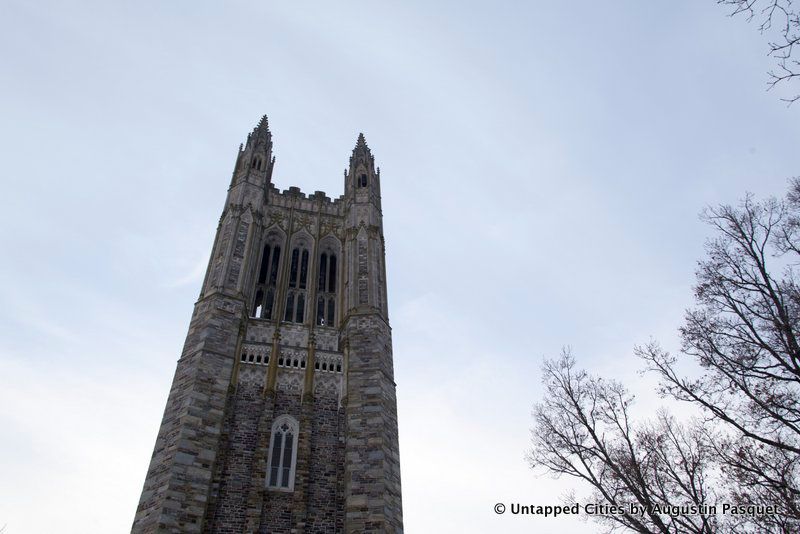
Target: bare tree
583	429
744	335
780	21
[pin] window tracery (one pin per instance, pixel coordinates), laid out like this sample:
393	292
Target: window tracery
282	453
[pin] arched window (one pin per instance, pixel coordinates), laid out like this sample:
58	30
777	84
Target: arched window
326	289
282	453
362	180
257	163
266	283
298	282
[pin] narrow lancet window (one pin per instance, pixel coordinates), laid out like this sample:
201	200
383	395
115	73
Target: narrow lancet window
286	464
304	270
332	275
326	300
300	308
289	307
293	273
273	269
298	283
321	310
262	274
323	268
268	305
283	453
266	283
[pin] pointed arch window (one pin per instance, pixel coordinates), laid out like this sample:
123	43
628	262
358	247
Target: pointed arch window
362	180
326	289
282	453
266	283
298	282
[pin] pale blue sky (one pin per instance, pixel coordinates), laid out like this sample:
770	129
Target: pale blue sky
542	168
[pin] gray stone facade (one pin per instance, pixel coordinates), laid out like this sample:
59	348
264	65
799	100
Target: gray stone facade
282	416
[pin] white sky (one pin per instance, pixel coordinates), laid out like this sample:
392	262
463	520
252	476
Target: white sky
542	169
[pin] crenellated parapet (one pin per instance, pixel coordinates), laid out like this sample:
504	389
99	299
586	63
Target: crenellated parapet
296	199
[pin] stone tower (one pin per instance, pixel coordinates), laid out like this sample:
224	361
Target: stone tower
282	414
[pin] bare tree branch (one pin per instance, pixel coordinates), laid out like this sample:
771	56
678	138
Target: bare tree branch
780	21
583	429
744	335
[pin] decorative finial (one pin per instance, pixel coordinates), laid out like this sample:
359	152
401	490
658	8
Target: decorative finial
260	133
262	127
361	151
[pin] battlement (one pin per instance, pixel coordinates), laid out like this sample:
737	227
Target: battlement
317	201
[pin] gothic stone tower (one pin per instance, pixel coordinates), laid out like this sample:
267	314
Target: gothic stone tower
282	415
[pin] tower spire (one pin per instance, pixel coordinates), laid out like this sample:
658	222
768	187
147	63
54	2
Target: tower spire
361	152
361	158
255	157
362	175
260	134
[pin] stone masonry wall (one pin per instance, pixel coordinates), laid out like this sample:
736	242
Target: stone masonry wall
232	481
316	504
372	458
178	480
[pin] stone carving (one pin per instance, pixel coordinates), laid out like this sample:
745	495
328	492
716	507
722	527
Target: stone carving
304	222
277	218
